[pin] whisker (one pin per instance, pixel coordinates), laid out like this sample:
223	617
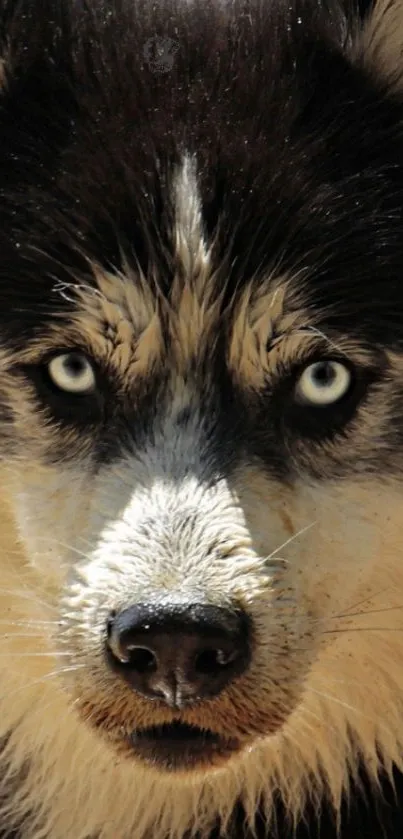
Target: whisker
7	636
362	629
370	597
319	719
367	612
317	622
91	546
366	600
278	559
43	708
26	595
348	614
65	545
325	338
291	539
34	655
347	706
53	674
326	679
33	623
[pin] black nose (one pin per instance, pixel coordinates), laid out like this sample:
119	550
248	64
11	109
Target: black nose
180	655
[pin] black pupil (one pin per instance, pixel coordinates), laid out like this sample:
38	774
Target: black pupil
74	365
324	374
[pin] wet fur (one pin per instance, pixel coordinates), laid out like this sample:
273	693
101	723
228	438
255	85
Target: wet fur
201	233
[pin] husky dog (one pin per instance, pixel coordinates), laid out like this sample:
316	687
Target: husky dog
201	419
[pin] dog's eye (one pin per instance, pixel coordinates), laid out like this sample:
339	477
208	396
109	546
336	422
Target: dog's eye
72	372
323	383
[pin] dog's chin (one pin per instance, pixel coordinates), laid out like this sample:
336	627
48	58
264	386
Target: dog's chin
181	747
177	746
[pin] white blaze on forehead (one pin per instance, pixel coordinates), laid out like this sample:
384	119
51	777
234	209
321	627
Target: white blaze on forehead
190	246
194	298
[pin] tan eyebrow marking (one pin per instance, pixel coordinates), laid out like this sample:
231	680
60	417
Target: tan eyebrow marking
262	318
272	330
116	320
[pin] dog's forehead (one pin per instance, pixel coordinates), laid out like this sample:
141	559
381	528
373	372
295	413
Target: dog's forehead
259	187
125	315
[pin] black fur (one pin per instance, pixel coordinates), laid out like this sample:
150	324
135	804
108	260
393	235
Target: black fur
297	148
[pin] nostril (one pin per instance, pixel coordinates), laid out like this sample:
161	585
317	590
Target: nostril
212	662
178	655
141	659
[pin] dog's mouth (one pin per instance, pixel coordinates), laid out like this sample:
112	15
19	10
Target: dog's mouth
174	746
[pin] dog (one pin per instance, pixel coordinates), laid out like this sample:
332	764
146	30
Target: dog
201	433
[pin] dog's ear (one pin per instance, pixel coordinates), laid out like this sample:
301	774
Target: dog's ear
379	44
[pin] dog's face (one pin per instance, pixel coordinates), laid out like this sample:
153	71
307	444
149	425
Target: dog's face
201	350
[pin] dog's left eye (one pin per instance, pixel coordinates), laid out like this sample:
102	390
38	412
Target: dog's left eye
323	383
72	372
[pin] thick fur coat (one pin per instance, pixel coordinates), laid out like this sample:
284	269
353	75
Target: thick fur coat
201	402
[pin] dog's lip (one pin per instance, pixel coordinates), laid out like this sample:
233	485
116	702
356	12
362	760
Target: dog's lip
178	745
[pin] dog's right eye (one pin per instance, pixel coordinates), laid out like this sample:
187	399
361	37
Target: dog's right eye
72	372
323	383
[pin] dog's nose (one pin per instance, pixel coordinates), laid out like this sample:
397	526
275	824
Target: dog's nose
180	655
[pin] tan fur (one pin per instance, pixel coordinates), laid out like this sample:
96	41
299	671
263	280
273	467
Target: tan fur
380	45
